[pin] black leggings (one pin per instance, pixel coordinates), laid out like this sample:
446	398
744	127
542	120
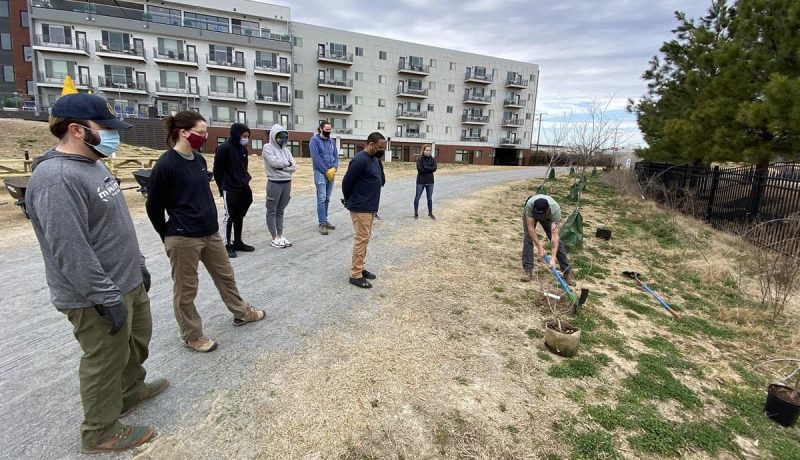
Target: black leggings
236	204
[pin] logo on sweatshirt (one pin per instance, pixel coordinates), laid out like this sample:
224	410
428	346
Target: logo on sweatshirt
109	189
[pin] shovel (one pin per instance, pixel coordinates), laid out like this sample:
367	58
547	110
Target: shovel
576	303
635	276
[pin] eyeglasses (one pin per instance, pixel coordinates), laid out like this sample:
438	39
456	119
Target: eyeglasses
201	133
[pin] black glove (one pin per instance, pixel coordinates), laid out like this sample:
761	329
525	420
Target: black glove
146	278
117	314
344	202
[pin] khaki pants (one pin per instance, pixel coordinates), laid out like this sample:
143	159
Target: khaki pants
362	226
185	253
111	372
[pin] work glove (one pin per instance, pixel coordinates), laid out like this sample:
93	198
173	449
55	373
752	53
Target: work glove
344	202
146	278
117	314
330	173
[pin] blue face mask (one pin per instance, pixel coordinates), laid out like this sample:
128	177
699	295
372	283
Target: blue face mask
244	140
282	142
109	141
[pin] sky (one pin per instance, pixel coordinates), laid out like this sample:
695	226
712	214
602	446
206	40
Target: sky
585	49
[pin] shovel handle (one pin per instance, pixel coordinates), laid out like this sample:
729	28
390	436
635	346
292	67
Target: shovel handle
560	280
659	299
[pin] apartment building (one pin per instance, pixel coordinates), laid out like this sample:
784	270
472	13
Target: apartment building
247	61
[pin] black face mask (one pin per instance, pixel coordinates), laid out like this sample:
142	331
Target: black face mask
326	134
380	153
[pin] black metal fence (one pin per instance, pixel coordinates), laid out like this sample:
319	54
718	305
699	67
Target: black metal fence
762	205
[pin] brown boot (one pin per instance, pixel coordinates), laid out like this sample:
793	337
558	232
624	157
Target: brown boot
526	276
201	345
151	390
126	438
569	279
251	315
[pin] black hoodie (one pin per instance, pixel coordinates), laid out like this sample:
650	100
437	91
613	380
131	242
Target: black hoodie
230	161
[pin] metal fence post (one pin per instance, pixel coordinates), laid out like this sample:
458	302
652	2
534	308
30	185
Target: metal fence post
712	193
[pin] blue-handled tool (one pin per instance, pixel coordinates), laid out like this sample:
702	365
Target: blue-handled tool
576	303
635	276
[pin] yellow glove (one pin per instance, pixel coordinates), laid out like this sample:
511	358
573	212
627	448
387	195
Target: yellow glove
330	173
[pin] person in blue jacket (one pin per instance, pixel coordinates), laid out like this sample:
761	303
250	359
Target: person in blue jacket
325	161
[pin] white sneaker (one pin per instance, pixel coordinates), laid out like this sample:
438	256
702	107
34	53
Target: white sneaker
286	242
277	243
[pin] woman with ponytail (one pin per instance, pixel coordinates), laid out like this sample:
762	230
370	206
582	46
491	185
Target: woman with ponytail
179	187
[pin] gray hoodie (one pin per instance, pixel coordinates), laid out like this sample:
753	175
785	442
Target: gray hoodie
278	161
88	242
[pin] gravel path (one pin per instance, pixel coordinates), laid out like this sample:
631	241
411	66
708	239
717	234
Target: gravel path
303	289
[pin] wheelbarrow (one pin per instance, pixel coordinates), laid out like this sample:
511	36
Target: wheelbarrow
142	177
16	187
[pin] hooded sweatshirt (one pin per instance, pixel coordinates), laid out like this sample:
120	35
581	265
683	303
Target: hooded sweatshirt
361	185
88	242
323	153
230	161
278	161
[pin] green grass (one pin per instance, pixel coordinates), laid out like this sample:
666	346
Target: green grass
579	367
534	334
661	344
655	381
693	326
589	267
577	394
594	446
635	304
544	356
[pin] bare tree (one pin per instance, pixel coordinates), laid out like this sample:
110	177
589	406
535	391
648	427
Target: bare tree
595	133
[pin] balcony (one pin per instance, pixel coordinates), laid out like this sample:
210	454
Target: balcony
174	90
475	119
57	81
514	103
225	95
335	84
223	63
220	122
403	91
475	99
274	99
336	108
113	85
471	77
268	124
271	68
172	57
40	43
512	123
102	49
342	131
406	67
335	58
408	135
471	138
517	82
510	142
405	114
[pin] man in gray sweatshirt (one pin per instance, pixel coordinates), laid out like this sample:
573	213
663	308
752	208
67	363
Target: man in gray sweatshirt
94	269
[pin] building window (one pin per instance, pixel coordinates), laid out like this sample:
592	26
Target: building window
432	85
529	96
381	125
23	19
298	41
359	100
222	140
298	68
348	150
430	107
31	87
298	94
8	73
447	130
5	41
478	154
451	88
381	102
528	116
359	123
381	79
452	66
433	63
382	55
258	144
449	109
205	21
161	15
493	93
294	147
359	76
3	8
533	77
462	156
359	51
298	120
428	129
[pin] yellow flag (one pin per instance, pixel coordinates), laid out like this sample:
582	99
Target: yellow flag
69	86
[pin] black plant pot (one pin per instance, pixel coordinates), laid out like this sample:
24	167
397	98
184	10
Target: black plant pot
779	409
603	233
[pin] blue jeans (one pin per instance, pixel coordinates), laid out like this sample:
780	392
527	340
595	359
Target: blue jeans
324	191
428	194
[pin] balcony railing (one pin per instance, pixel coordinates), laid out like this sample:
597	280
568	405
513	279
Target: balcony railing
403	113
510	141
268	124
514	102
103	47
225	62
343	131
332	82
344	58
471	138
512	122
173	56
471	76
112	83
284	99
518	82
412	91
225	93
220	122
475	118
173	89
58	79
268	66
134	14
479	99
405	66
336	107
50	42
414	135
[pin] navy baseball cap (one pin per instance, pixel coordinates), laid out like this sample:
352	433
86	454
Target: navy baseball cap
83	106
540	207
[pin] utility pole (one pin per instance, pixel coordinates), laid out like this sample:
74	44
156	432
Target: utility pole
540	131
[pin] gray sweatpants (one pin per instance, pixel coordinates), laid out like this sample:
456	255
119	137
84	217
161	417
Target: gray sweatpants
278	195
529	252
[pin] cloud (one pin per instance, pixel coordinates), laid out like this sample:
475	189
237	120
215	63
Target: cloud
584	49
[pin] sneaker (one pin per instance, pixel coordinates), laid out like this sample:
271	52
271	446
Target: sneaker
569	279
277	243
526	276
323	229
251	316
126	438
201	344
240	246
329	226
432	216
151	390
377	217
231	251
368	275
360	282
286	242
416	216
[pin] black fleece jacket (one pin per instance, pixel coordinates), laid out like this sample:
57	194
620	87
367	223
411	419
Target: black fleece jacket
426	166
230	161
